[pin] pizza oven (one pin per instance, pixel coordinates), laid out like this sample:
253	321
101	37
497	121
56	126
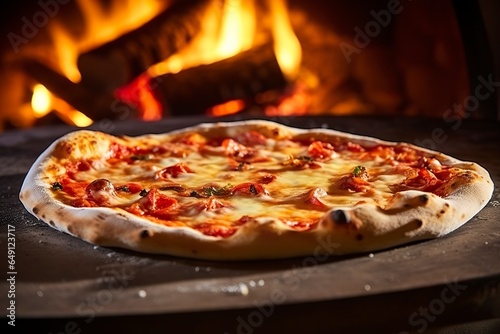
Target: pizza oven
424	72
79	62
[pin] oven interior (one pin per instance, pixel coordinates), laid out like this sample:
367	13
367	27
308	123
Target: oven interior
81	62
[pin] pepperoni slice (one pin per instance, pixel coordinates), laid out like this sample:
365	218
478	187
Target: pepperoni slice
320	150
173	171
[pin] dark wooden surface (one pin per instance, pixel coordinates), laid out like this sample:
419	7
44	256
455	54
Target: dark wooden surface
64	284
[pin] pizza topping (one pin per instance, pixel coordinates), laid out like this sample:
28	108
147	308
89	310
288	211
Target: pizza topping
174	187
320	150
266	178
57	186
142	157
350	146
237	151
313	196
239	165
249	188
424	181
75	189
360	171
101	191
173	171
300	162
131	187
156	204
215	190
251	138
354	183
118	151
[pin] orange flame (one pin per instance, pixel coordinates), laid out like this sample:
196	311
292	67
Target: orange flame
43	102
226	31
227	108
286	45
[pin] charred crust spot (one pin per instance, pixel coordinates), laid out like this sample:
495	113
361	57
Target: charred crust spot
36	210
101	217
462	216
144	234
446	205
51	223
359	237
70	229
340	217
442	211
418	222
423	198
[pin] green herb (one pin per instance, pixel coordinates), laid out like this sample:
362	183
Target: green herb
217	191
305	158
242	165
142	157
143	192
57	186
358	171
123	188
194	193
174	187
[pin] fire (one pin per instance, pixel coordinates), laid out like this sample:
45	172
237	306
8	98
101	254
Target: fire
227	108
233	33
286	45
102	24
237	28
226	31
41	101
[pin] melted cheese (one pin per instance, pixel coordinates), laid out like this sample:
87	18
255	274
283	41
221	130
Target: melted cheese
285	197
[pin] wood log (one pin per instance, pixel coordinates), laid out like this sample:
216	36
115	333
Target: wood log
194	90
94	105
119	61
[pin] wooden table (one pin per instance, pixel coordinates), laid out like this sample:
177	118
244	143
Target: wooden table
66	285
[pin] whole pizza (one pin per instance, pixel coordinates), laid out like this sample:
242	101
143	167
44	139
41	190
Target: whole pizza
251	189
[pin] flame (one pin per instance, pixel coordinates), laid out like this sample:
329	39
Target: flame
41	101
225	32
237	28
139	95
74	117
227	108
286	45
102	24
295	102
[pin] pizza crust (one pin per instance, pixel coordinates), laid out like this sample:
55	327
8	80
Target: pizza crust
410	216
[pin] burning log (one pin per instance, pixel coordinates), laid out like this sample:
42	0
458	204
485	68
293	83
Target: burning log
119	61
242	77
94	105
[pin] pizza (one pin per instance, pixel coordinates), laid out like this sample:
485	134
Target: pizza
254	189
